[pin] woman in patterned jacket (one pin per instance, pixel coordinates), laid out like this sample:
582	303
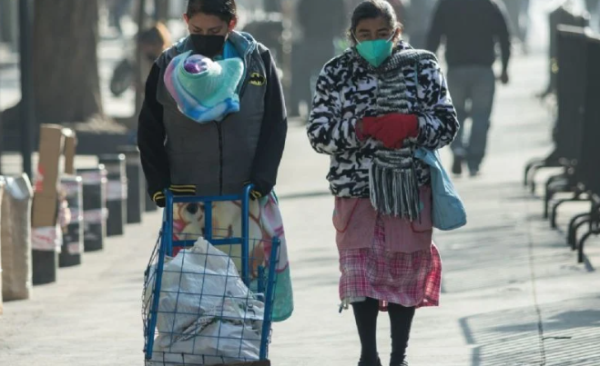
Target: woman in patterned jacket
382	96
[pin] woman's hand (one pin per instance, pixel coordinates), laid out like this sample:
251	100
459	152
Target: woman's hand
391	129
258	190
177	190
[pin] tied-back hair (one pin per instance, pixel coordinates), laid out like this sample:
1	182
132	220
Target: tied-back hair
226	10
371	9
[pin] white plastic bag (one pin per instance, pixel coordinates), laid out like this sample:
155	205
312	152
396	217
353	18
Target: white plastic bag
206	313
220	342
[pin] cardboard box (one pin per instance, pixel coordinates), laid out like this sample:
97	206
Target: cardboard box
45	200
69	150
50	151
44	211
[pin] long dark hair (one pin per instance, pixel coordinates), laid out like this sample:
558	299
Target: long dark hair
226	10
371	9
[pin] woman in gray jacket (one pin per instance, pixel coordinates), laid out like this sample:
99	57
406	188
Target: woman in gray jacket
214	121
219	157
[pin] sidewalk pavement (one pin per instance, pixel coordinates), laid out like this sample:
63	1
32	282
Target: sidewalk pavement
512	291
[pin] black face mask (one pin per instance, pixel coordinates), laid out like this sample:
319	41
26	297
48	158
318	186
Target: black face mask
209	46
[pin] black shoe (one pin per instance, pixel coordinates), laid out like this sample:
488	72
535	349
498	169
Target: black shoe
404	363
473	172
365	363
457	165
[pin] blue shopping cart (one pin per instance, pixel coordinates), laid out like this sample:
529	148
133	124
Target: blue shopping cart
208	295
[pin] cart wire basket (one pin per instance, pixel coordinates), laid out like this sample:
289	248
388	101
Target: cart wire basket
208	296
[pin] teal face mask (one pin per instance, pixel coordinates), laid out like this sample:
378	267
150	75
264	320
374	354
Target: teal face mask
375	52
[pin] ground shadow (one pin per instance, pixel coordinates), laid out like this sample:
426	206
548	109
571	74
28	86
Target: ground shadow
568	334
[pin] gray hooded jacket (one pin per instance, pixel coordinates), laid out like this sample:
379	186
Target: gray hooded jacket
216	158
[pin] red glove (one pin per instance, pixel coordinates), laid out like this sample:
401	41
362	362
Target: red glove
392	129
365	127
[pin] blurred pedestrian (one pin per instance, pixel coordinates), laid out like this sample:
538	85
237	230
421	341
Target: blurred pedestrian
153	42
471	29
367	108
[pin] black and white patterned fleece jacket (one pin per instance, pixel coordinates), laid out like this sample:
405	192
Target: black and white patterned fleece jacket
347	90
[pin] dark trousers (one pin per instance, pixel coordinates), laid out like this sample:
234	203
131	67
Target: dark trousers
472	89
365	314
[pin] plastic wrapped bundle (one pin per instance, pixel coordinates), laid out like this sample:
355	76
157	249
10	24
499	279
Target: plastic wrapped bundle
16	238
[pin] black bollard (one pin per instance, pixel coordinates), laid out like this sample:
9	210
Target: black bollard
94	207
44	266
72	247
46	242
44	254
135	185
116	193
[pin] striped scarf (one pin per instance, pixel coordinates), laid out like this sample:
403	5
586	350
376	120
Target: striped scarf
393	182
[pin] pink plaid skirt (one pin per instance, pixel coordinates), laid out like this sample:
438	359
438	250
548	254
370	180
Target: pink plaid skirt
407	279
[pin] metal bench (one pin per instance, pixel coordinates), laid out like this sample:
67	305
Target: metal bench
561	36
590	150
572	51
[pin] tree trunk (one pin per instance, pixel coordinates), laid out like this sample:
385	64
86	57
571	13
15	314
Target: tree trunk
67	83
65	66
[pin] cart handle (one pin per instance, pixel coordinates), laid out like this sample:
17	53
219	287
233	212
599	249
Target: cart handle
171	199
